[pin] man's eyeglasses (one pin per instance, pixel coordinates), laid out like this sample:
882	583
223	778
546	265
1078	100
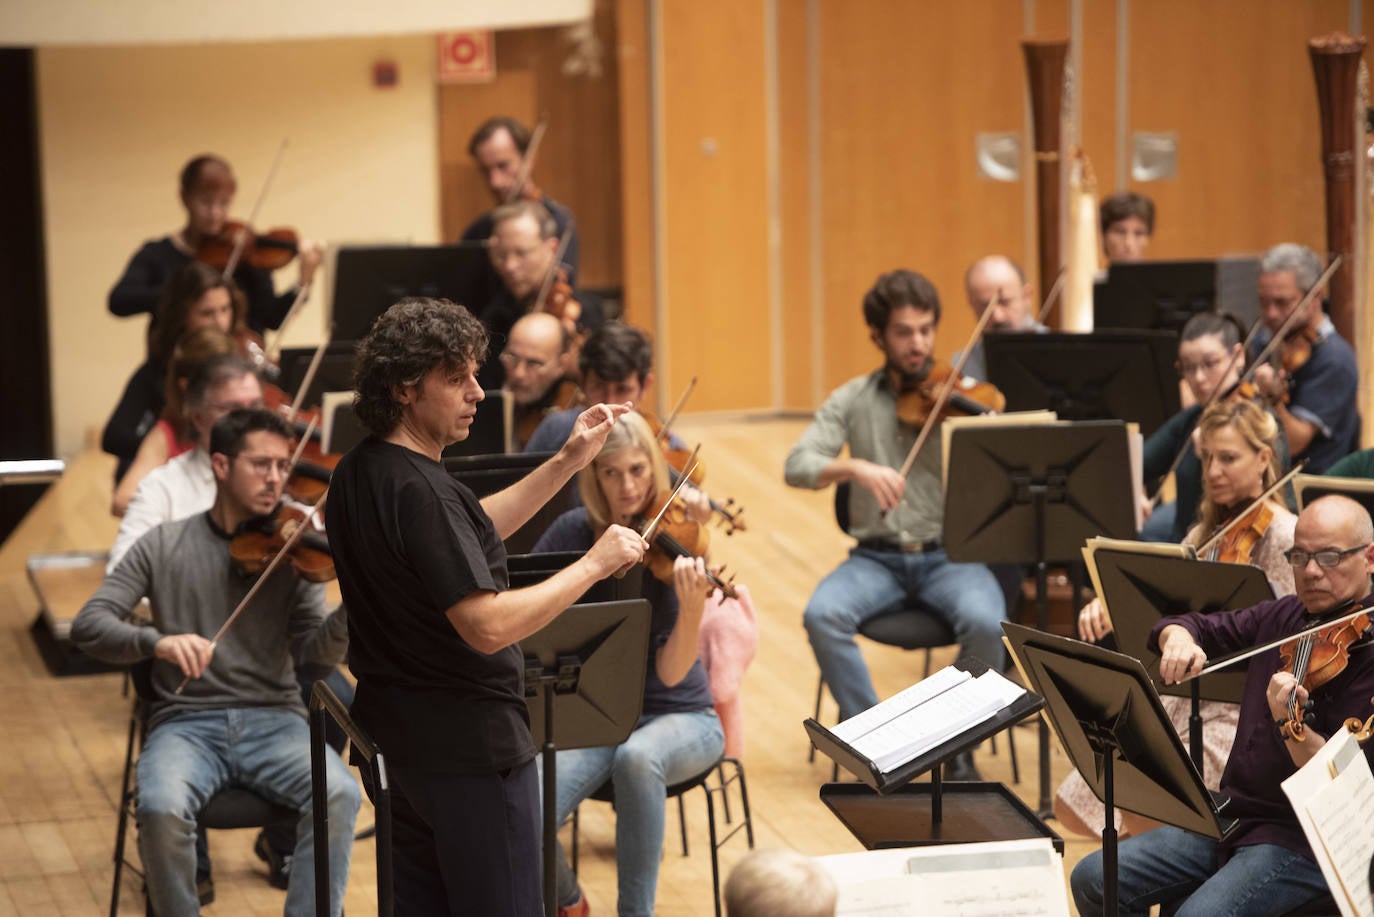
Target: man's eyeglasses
512	360
1325	559
262	465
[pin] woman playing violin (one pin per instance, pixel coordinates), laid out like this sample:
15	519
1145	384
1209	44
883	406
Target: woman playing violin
678	734
1208	361
1237	458
207	187
1265	865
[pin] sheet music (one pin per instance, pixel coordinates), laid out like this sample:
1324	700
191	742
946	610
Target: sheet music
1014	419
1335	813
921	728
1000	879
925	689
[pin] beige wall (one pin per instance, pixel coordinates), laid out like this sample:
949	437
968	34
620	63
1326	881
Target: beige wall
116	125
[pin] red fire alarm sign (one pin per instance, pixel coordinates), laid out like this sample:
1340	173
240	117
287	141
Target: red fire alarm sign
466	57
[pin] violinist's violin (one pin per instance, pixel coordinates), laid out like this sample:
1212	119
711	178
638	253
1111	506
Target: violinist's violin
1237	545
678	536
266	251
258	542
1317	658
966	397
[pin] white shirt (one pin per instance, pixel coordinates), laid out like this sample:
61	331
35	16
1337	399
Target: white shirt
182	487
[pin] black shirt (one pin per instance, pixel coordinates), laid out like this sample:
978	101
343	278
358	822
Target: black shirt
409	542
153	265
137	411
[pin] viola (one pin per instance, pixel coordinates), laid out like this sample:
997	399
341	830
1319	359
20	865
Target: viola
916	405
259	541
1297	349
1317	658
266	251
1237	545
678	536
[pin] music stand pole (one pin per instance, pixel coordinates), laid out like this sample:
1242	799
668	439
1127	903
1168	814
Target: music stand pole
1044	808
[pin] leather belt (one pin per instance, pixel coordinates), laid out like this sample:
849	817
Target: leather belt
893	547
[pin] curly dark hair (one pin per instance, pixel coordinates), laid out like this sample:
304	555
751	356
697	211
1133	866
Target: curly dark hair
616	351
230	432
896	289
413	337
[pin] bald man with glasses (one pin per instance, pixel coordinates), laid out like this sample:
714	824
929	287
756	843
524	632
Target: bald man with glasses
1265	865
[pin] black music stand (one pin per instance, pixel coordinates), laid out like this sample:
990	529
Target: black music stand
1140	588
1106	375
894	812
584	687
1109	719
1032	495
369	279
1154	294
486	474
1309	487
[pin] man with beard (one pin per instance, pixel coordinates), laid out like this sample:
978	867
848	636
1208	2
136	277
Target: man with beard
996	282
897	521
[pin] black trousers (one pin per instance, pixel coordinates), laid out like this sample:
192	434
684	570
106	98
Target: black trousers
466	844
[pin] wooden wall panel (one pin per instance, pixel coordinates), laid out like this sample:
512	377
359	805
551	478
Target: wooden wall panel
904	89
636	161
794	123
1233	79
715	205
579	160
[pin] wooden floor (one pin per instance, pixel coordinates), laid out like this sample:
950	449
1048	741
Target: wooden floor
64	738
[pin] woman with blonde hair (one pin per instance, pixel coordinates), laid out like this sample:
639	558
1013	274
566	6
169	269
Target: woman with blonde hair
1235	442
678	735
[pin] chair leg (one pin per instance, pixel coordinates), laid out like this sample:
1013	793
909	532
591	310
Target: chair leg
122	826
725	797
744	798
682	822
715	857
574	839
927	674
820	690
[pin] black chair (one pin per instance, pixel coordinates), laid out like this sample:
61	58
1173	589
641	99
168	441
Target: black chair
606	793
230	808
912	625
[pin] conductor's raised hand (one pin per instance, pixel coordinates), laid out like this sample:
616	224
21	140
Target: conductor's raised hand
885	484
618	548
1179	655
189	652
590	431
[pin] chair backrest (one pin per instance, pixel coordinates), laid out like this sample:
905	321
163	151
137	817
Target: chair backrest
842	506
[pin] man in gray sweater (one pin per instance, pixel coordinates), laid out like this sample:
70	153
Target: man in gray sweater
239	721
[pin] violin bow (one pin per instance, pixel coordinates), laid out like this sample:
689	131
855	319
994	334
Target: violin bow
309	377
262	578
1312	629
300	446
948	387
677	409
1258	501
1053	294
242	237
547	285
648	531
1245	377
522	174
274	351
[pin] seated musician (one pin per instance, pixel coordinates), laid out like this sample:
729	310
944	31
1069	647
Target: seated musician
678	734
1236	443
239	721
524	244
996	282
196	297
1314	394
538	360
1265	865
498	148
1206	347
897	520
207	192
1127	219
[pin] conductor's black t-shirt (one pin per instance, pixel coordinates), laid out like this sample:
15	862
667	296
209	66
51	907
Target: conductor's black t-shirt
409	542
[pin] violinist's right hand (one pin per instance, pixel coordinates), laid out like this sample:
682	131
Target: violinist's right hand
1093	623
884	483
618	549
311	255
189	652
1179	655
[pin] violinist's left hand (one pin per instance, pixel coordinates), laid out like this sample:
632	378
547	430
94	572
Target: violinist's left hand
311	255
590	432
1281	688
691	585
697	504
1270	383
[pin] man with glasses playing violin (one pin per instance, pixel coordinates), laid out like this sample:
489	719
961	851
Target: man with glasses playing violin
239	720
1265	865
1313	393
538	361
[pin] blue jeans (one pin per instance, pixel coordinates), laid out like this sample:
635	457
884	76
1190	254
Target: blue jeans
965	596
664	749
187	759
1173	867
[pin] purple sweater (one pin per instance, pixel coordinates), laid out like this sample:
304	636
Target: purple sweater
1259	761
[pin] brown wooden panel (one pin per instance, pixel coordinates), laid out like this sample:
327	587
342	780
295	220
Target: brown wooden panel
636	161
904	89
795	205
579	160
1233	79
715	204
